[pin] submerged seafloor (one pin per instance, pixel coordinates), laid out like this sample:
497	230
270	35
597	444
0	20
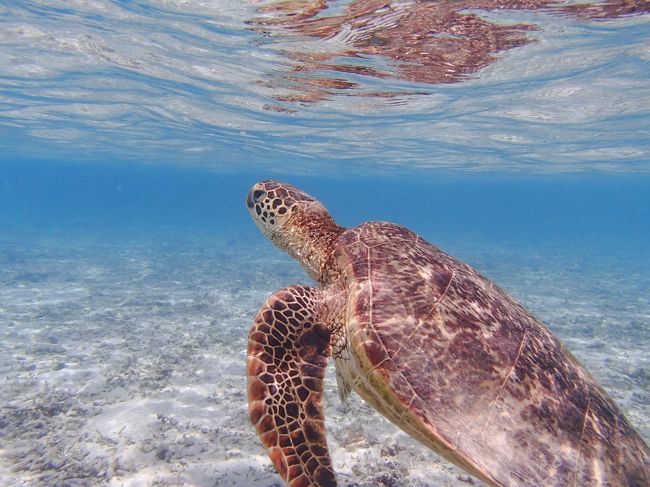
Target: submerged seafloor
122	361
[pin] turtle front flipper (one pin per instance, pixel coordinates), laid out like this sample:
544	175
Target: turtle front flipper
288	346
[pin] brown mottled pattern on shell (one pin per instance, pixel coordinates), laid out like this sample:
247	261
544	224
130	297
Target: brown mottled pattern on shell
288	347
491	388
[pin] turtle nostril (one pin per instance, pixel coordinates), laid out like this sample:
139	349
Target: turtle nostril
249	201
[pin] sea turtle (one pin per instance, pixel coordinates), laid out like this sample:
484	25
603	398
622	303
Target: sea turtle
432	345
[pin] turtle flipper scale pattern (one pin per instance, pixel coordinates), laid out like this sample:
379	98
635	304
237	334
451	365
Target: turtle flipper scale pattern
288	346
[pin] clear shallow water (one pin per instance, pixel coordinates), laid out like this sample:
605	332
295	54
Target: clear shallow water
126	294
122	355
130	270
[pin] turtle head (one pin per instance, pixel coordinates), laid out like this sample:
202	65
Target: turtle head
272	204
294	221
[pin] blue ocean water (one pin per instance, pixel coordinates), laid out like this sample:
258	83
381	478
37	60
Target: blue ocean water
517	139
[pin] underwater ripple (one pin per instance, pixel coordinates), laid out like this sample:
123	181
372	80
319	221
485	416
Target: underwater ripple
528	86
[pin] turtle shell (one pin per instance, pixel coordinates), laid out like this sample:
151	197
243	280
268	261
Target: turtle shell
462	367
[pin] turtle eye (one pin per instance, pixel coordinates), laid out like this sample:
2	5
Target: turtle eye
255	198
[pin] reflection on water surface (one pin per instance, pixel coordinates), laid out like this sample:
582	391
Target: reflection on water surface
424	41
351	87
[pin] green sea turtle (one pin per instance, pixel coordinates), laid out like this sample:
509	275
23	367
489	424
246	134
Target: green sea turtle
432	345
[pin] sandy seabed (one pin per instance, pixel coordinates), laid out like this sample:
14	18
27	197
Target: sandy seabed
122	362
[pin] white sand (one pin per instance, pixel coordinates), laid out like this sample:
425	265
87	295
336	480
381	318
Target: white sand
123	363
